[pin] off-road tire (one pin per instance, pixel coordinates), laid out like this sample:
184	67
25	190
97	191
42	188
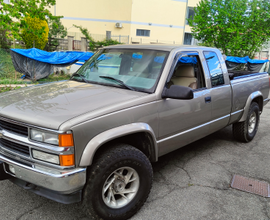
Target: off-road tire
117	156
240	129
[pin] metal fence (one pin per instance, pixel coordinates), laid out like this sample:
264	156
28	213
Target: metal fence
124	39
151	41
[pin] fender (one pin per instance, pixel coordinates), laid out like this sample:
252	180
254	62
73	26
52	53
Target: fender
251	97
102	138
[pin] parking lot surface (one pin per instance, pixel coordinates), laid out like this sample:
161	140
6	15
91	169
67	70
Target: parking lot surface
190	183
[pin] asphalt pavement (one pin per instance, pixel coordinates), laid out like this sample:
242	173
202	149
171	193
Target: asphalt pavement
190	183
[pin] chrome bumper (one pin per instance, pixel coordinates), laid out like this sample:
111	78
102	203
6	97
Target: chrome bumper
61	181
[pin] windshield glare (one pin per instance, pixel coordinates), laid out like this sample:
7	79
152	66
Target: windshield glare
138	69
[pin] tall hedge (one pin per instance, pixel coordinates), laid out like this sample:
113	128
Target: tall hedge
36	33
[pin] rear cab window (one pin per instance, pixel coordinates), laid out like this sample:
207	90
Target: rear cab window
214	66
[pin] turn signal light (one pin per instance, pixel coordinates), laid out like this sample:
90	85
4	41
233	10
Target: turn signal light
67	160
66	140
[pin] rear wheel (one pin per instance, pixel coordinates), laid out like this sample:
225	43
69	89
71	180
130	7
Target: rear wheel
119	183
245	131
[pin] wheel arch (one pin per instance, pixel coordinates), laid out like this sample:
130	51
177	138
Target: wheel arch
253	97
134	134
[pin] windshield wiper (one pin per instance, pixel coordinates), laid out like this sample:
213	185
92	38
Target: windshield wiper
81	76
119	81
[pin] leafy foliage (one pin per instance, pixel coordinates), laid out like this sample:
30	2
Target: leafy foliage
94	45
36	33
3	39
56	30
12	17
106	43
237	27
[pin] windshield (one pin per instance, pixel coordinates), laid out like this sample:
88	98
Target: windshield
137	69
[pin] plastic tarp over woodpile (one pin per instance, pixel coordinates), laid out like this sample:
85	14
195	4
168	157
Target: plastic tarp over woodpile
252	65
38	64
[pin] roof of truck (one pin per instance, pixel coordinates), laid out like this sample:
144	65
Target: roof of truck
166	47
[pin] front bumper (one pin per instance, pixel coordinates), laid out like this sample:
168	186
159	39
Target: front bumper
60	181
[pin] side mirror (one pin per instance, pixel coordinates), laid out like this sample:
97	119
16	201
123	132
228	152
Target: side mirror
177	92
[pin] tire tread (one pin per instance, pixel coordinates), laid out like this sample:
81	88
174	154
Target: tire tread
110	156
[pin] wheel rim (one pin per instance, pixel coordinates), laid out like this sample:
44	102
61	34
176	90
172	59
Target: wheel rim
252	122
120	187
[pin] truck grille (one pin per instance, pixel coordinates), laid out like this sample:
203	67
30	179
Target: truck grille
19	148
18	129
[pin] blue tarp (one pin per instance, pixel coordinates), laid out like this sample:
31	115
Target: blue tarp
192	60
237	59
158	59
245	60
56	58
257	61
137	56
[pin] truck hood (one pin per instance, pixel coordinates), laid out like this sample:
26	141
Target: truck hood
50	105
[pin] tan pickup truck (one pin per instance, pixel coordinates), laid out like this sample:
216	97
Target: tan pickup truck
93	138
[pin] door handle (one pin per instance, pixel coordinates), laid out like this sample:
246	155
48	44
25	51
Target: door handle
207	99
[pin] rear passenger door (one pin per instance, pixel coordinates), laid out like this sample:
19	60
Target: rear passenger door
183	121
220	93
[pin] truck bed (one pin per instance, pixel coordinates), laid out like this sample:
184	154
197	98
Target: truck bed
237	73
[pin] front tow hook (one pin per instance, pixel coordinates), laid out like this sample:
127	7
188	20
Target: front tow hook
3	174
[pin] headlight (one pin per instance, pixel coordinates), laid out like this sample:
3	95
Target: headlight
46	137
52	158
62	140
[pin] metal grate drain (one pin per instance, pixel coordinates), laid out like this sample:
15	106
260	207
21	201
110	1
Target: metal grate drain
250	185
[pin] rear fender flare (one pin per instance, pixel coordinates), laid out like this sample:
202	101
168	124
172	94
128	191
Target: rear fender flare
251	97
106	136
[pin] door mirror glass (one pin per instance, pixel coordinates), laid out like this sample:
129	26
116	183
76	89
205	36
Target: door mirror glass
177	92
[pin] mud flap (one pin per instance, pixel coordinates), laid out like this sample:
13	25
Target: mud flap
3	174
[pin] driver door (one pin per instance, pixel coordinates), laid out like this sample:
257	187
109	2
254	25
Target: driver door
184	121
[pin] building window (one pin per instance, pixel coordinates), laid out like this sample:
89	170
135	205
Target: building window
190	14
108	35
214	67
141	32
188	39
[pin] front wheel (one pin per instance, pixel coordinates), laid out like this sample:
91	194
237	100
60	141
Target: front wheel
119	183
245	131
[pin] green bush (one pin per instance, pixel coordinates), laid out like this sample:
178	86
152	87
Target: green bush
36	33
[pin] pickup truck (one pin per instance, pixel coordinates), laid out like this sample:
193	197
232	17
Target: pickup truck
92	139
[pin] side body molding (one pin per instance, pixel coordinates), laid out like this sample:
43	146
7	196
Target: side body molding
102	138
251	97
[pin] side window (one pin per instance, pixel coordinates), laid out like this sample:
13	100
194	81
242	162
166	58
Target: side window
188	72
214	67
190	14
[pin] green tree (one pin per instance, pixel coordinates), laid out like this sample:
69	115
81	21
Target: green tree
87	35
57	30
237	27
4	44
12	16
